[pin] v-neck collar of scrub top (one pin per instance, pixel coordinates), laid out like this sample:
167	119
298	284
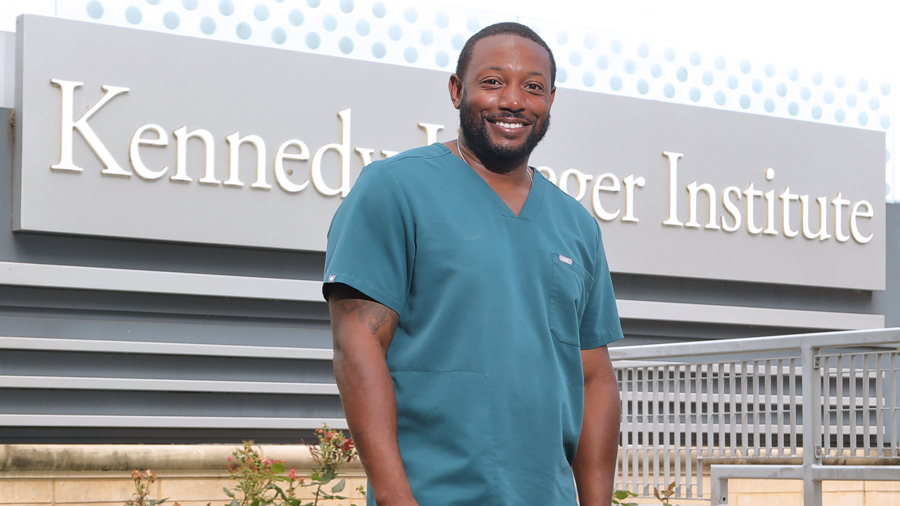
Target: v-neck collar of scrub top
532	204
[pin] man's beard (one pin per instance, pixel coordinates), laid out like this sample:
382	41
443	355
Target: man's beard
497	158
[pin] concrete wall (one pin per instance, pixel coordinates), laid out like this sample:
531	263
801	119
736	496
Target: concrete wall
194	476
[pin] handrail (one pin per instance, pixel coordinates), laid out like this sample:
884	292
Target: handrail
755	344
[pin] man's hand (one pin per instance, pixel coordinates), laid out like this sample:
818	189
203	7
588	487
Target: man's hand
362	330
595	460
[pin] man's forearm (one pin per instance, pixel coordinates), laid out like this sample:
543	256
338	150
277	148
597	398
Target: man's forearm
367	394
363	330
595	462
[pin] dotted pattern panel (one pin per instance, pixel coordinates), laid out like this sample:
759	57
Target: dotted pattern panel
425	35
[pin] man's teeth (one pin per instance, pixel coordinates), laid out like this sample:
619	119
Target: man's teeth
509	125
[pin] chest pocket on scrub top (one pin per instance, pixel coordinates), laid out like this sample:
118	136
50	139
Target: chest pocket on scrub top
569	287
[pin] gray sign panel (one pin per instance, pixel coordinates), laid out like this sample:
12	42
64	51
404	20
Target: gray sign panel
126	133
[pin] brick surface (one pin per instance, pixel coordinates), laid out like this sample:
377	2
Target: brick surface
25	492
195	489
105	490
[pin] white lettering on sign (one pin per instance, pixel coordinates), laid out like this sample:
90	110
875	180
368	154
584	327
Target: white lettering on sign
280	175
342	149
612	187
235	141
209	160
732	208
693	190
702	198
672	220
134	156
861	209
581	179
69	125
431	131
630	182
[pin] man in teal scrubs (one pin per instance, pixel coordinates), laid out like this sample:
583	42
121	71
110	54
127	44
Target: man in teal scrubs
471	306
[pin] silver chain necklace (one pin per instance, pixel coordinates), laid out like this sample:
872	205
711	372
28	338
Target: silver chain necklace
461	155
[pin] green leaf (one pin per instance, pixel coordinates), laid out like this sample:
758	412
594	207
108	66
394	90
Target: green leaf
340	486
234	503
228	492
278	467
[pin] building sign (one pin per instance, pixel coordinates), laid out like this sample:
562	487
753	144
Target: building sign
132	134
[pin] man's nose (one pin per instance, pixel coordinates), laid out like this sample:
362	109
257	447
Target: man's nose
511	99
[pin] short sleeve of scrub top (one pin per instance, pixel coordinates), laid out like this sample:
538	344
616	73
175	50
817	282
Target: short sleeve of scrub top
600	325
371	239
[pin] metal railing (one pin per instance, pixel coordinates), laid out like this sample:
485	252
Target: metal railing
813	407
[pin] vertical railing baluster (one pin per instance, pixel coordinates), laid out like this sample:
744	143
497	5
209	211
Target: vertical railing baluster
812	424
691	428
851	363
722	403
655	426
745	422
793	404
768	407
757	398
645	433
617	479
879	405
825	364
680	402
626	430
839	404
635	402
866	396
779	394
895	445
668	387
732	379
705	450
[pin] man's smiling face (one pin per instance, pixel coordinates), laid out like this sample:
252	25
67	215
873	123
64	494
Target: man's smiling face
504	110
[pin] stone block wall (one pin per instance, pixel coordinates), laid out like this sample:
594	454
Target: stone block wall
194	475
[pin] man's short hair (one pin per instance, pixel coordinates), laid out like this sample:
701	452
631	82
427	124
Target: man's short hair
506	28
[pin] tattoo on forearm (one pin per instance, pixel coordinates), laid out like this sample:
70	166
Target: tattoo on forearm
372	314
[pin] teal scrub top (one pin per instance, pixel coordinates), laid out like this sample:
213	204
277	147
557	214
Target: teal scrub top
494	310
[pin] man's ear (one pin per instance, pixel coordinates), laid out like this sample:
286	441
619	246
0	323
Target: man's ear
455	87
552	94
